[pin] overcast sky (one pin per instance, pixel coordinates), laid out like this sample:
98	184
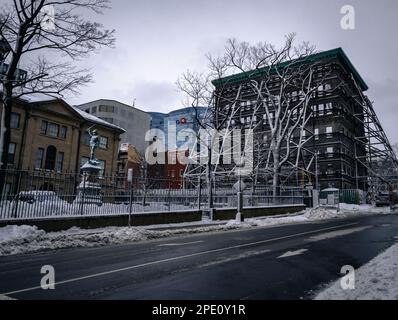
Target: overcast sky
157	40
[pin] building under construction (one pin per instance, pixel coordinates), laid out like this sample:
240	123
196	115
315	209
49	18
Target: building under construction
339	143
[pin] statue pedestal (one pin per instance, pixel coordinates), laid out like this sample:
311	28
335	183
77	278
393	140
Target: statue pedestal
89	191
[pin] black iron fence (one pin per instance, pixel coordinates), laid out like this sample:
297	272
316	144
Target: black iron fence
41	194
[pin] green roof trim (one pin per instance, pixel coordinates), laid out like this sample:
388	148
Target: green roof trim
337	53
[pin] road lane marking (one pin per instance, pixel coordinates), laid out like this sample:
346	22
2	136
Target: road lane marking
334	234
247	254
178	244
292	253
179	258
5	298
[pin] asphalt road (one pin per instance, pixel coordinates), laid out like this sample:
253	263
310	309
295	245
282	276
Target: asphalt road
284	262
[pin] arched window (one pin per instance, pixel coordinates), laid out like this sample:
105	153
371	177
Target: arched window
51	156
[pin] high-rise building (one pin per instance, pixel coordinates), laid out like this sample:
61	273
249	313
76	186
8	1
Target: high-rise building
181	119
343	134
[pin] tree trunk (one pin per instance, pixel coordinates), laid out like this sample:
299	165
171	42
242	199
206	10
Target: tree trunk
5	132
210	180
275	173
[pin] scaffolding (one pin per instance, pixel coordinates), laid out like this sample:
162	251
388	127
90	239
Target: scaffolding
376	165
380	159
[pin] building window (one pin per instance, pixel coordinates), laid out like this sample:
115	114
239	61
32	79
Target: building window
320	109
51	156
103	142
329	132
39	158
53	130
62	133
328	108
88	110
109	109
316	134
86	139
15	120
102	165
94	110
43	128
60	162
329	150
11	153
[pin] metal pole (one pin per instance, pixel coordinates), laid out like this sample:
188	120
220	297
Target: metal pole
200	193
316	171
83	193
130	182
169	196
131	202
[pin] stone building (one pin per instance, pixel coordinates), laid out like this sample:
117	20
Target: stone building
51	136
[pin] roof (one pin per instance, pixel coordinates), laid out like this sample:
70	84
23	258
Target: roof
185	110
39	99
92	118
337	53
83	105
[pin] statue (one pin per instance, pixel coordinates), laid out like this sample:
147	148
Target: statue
94	143
89	188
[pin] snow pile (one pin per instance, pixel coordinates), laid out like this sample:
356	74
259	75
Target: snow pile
376	280
20	234
269	221
351	208
24	239
321	213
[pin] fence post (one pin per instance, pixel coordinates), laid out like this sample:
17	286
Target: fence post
83	194
130	182
17	195
200	193
169	195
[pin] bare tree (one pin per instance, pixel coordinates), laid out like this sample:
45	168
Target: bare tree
45	38
279	83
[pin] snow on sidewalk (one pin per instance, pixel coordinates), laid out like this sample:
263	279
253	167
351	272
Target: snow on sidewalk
376	280
24	239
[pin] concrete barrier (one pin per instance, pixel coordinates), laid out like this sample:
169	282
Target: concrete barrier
150	218
252	212
93	222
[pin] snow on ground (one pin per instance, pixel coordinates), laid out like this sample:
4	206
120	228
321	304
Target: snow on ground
376	280
23	239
